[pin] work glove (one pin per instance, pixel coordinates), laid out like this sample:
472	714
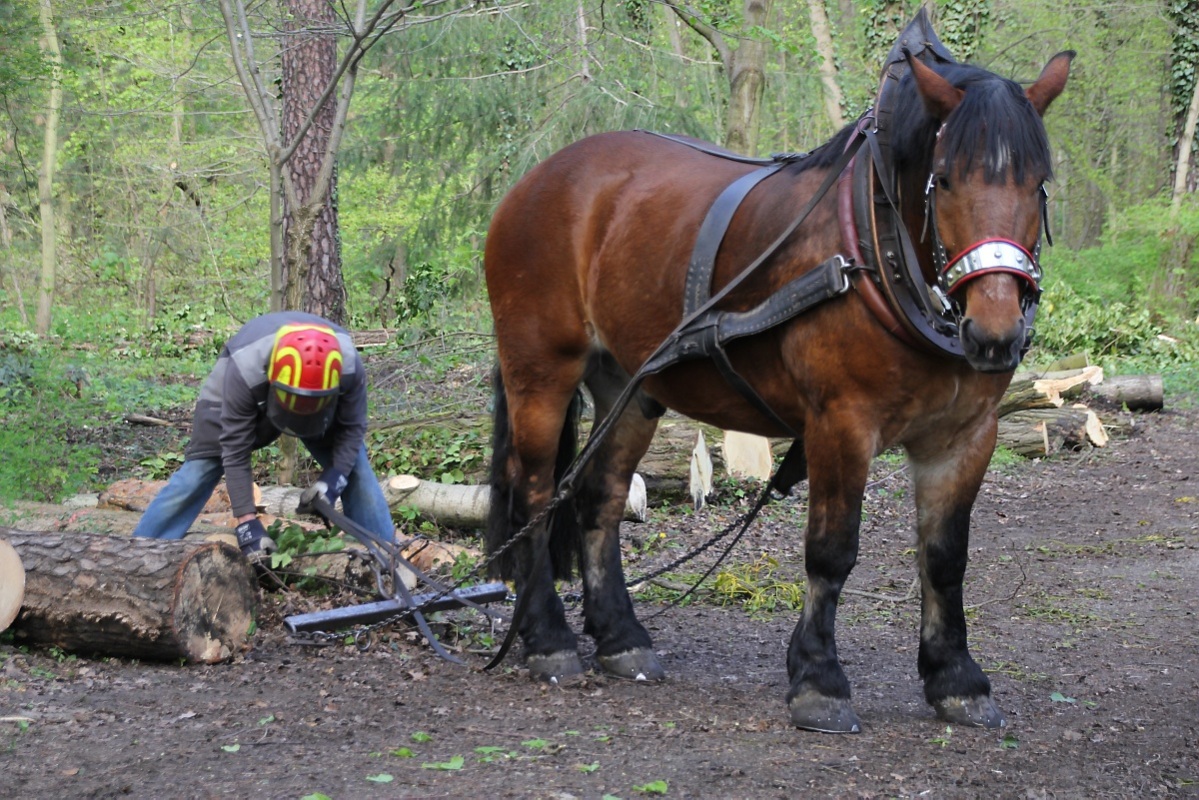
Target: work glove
253	541
331	484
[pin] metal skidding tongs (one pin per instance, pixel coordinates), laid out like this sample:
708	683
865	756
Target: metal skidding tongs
401	603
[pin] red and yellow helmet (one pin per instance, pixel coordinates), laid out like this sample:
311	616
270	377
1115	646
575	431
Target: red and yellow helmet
305	377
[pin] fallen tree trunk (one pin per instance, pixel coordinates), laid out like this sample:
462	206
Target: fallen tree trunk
12	584
135	598
451	505
1135	392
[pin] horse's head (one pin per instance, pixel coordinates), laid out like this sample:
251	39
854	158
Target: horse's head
973	158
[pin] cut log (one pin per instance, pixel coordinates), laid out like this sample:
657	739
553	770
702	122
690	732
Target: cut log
700	471
135	598
747	456
1135	392
1038	432
12	584
445	504
1026	394
1073	361
1047	389
1096	433
451	505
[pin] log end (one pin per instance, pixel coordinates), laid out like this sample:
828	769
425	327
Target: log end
216	603
12	584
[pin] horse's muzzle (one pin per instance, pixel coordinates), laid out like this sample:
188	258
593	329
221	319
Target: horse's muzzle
987	351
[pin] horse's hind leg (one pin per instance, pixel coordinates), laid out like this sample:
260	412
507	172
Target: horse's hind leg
947	481
533	440
623	646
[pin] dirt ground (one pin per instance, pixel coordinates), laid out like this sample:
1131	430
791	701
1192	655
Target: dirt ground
1082	596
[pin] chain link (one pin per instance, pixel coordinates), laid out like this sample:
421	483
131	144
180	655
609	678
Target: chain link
326	638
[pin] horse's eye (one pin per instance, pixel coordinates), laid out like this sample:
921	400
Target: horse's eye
943	183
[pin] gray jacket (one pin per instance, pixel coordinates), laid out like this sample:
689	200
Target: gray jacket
230	420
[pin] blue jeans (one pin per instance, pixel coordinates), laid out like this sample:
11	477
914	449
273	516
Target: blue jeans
177	505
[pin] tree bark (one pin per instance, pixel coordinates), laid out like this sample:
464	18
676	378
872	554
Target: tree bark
312	271
1186	141
45	182
822	33
747	82
1038	432
135	598
1136	392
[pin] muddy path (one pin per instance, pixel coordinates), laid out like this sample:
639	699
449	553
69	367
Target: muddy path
1082	591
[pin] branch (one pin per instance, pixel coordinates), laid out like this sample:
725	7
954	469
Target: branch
694	21
247	72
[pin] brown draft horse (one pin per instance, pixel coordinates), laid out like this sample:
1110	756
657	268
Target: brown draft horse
586	261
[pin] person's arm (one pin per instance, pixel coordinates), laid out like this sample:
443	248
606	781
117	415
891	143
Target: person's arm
240	413
349	424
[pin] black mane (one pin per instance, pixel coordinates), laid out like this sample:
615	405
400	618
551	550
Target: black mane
994	112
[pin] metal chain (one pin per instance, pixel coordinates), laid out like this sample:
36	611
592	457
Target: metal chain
363	634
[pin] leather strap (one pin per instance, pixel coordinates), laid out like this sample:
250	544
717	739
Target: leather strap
711	233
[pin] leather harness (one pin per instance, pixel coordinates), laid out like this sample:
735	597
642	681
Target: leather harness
880	260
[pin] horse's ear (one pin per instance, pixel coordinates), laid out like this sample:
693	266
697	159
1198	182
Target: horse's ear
939	95
1051	82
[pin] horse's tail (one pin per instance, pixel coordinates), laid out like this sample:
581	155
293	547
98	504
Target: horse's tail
509	514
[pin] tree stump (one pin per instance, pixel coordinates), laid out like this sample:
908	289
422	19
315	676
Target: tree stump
136	598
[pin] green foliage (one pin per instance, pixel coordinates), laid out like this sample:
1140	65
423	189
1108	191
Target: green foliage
1071	323
44	414
434	453
1184	15
293	541
758	587
162	465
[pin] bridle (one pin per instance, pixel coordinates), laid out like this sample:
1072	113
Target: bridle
990	255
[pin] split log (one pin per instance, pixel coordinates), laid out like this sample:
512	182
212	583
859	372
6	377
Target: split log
748	456
1072	361
12	584
134	598
1047	389
1038	432
1135	392
700	472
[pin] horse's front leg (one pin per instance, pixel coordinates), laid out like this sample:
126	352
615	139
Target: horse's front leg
947	478
839	455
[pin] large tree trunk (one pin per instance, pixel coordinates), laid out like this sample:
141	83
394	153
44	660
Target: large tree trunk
135	598
823	35
312	271
45	181
747	82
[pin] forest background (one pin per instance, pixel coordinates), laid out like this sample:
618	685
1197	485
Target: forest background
169	170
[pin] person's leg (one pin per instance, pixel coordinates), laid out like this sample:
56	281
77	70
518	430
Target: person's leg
177	504
363	499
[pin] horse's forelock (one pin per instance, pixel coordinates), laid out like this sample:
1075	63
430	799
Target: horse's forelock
994	112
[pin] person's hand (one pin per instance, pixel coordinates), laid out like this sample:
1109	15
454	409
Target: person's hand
330	484
253	541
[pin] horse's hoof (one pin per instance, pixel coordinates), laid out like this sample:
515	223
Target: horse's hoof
640	665
552	667
815	712
978	712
